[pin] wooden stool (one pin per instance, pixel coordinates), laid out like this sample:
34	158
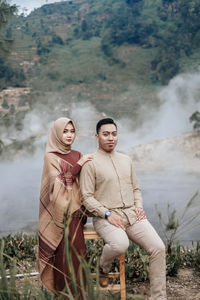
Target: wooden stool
89	234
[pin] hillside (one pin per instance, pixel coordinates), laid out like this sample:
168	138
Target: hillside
181	153
167	30
113	54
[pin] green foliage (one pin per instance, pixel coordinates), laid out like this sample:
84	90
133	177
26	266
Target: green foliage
195	119
20	247
6	11
136	263
10	76
171	27
177	224
56	39
173	261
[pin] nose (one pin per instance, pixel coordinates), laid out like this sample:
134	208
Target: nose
110	137
69	134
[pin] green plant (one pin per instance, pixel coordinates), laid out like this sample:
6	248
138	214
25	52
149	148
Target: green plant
19	247
177	224
195	119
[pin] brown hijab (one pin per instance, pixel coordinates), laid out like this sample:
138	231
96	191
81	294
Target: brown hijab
55	143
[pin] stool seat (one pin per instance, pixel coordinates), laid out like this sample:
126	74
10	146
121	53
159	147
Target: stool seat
90	233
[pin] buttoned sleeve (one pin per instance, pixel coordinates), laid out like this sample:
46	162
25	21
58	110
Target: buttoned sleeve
87	185
136	190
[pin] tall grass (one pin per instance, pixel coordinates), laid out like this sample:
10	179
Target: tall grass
13	251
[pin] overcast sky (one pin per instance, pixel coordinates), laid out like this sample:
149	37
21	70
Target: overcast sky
30	5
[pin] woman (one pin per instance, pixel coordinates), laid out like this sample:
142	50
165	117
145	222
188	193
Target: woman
60	196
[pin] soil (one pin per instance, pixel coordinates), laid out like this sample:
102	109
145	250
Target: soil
185	286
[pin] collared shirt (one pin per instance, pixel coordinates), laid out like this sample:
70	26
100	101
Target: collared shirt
109	182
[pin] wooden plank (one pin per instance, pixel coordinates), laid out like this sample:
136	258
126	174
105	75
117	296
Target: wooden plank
110	287
110	275
90	233
122	277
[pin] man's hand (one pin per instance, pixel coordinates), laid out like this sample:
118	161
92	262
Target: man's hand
140	214
116	220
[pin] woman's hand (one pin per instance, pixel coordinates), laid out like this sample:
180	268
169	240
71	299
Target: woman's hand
85	158
140	214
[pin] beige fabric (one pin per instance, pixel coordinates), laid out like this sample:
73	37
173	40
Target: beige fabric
143	234
55	143
109	182
55	201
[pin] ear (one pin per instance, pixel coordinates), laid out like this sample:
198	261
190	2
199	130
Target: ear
97	137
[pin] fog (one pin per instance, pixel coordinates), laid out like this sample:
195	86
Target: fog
26	6
20	179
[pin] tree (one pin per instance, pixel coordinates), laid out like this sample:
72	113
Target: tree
6	11
56	39
12	109
5	104
195	117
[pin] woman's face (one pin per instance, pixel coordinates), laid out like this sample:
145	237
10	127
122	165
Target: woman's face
68	134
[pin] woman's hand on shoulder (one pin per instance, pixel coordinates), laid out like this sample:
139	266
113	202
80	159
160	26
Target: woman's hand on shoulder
85	158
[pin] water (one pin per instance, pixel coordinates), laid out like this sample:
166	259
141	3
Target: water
20	184
176	189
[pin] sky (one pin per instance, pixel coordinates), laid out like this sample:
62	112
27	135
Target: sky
30	5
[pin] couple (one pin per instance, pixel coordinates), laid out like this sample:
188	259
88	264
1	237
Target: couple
109	190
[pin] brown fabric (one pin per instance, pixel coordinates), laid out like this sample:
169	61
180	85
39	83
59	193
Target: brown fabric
56	199
76	241
55	143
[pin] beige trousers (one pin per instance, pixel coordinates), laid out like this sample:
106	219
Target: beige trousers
143	234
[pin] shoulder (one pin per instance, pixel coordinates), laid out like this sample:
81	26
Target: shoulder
51	158
76	154
123	156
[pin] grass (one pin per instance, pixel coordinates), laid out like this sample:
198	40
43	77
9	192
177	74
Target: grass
17	255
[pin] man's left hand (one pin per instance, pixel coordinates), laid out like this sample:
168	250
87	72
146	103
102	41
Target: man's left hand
140	214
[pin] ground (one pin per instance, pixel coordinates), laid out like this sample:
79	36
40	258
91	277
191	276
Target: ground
186	286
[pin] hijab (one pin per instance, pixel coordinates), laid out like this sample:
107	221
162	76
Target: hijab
55	143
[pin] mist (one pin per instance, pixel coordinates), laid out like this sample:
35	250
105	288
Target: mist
20	183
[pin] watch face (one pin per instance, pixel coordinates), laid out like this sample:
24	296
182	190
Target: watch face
108	213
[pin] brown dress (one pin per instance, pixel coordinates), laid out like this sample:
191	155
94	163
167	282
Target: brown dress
75	238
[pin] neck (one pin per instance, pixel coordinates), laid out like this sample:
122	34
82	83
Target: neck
108	152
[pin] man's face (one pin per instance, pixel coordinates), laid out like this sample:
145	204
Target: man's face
107	137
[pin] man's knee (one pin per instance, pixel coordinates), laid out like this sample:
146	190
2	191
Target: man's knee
159	249
120	247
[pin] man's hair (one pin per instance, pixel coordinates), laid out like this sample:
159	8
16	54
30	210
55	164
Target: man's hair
104	122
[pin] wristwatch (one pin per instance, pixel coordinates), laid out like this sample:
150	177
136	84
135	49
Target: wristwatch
107	214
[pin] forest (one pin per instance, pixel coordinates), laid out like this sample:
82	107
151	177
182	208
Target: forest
168	30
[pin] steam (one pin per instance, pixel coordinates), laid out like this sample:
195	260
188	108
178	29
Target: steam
20	183
178	101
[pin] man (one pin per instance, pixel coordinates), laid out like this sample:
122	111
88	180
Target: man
111	193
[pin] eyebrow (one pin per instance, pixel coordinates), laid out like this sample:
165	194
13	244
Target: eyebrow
109	131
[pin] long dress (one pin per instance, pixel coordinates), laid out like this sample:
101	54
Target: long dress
75	238
60	193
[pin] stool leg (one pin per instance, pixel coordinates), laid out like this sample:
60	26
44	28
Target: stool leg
122	277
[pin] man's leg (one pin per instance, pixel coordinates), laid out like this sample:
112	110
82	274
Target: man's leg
143	234
116	242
